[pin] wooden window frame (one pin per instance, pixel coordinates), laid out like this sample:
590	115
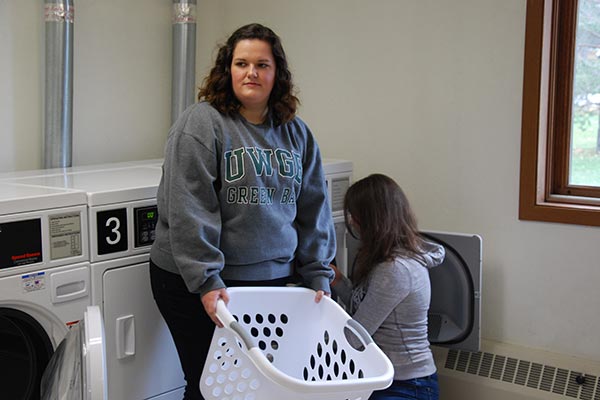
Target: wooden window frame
545	194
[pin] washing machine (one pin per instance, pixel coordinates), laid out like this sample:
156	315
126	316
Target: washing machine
44	280
141	360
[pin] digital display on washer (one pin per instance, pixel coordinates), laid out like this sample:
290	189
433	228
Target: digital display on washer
65	235
145	224
20	243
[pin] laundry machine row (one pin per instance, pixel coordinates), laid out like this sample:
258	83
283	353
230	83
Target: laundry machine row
70	238
141	360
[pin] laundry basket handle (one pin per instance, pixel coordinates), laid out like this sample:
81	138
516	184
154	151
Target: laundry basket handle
229	322
361	331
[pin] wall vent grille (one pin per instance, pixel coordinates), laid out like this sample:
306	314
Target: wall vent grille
547	378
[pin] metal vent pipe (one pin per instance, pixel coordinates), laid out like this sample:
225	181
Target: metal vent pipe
184	56
58	105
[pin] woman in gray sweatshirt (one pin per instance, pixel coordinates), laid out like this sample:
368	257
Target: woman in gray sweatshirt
390	290
242	200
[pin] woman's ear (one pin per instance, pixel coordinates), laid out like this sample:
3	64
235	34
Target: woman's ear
353	221
353	227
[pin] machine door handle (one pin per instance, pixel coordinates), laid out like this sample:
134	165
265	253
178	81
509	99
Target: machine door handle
125	333
70	285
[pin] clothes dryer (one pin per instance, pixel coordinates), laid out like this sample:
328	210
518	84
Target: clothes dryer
44	280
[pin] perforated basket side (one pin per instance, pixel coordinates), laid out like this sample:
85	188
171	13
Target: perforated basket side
303	341
230	374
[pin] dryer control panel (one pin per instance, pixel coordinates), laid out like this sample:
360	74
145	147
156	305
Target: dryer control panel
121	230
338	176
145	224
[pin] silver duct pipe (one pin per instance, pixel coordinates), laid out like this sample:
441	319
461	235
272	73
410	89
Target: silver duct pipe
58	107
184	56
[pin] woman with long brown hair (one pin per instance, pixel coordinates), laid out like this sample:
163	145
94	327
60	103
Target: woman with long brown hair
390	290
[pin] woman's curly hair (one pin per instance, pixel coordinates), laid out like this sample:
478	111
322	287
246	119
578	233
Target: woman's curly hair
217	88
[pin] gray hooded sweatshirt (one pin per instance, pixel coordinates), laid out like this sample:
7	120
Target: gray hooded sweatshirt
392	305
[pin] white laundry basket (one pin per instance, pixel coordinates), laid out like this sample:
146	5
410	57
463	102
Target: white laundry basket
278	344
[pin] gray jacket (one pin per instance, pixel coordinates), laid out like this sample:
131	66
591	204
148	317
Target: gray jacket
392	305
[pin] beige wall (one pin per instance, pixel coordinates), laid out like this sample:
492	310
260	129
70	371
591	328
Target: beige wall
426	91
121	81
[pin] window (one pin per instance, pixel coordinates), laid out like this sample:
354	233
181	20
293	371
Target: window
560	143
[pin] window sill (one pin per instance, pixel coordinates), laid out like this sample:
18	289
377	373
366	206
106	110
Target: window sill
561	212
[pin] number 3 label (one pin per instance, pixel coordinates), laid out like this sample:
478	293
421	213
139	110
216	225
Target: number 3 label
115	230
111	228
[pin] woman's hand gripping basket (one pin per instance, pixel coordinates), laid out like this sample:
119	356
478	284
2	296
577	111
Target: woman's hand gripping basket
279	344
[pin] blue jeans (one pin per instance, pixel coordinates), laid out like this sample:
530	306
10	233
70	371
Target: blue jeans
416	389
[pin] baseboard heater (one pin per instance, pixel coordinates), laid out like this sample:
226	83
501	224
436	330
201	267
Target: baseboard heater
502	371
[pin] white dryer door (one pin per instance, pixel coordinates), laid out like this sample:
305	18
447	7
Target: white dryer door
94	356
77	370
